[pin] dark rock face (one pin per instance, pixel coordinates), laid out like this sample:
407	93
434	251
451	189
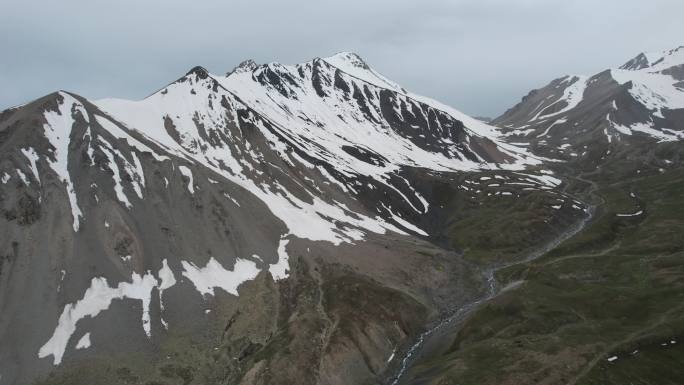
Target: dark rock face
638	63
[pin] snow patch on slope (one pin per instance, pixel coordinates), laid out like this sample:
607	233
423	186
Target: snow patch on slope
573	94
546	132
659	61
84	342
110	153
31	155
646	128
117	132
214	275
97	298
23	177
188	174
404	223
655	91
279	270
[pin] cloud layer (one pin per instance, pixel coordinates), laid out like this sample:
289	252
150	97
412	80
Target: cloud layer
479	56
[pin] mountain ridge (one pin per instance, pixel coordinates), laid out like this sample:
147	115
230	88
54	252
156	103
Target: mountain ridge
598	117
251	216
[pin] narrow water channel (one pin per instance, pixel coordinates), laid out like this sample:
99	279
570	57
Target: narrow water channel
436	337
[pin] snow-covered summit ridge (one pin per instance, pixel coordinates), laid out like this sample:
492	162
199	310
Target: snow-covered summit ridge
288	80
353	74
335	116
248	65
349	58
656	61
656	80
310	140
354	65
638	98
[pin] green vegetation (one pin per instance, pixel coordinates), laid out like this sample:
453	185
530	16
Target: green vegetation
615	289
489	227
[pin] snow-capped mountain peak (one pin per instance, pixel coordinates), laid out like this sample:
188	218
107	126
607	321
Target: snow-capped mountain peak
354	65
199	71
351	58
638	62
642	98
656	61
245	66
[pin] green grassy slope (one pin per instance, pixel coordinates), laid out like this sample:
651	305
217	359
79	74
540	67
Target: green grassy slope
615	289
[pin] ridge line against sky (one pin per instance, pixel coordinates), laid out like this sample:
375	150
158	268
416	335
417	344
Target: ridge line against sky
478	56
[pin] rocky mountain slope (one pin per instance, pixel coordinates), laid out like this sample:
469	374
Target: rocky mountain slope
592	117
279	224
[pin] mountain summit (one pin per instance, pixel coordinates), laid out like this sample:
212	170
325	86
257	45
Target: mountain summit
592	117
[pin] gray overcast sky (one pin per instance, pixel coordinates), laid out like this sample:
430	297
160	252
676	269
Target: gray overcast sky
478	56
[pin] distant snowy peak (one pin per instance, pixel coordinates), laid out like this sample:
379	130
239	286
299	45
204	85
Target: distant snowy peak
347	59
639	62
316	99
656	61
656	82
246	66
643	98
199	71
343	92
354	65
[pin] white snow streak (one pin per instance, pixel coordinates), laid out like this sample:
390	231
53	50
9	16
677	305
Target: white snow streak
84	342
631	215
58	131
280	269
23	177
188	174
97	298
572	96
31	155
215	275
118	186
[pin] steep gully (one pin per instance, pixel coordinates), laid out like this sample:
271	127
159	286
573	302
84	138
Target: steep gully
434	337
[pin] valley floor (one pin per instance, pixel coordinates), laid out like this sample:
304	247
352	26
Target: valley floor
604	307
